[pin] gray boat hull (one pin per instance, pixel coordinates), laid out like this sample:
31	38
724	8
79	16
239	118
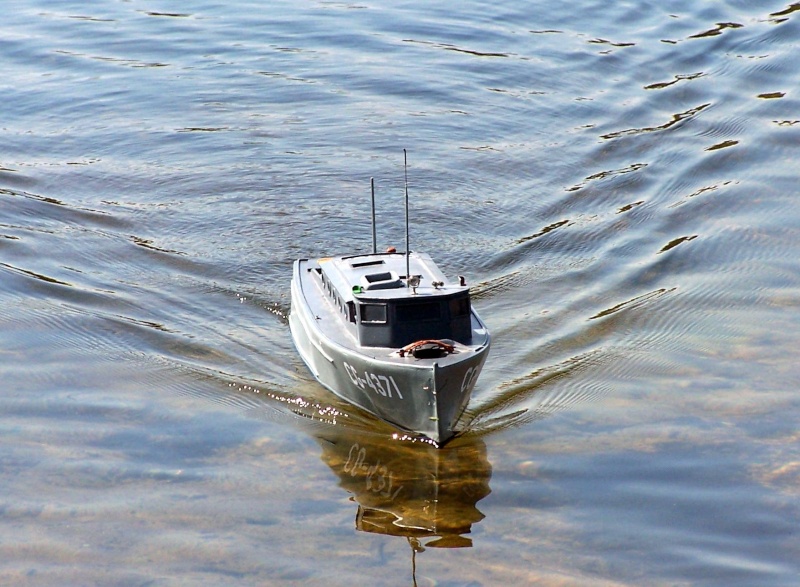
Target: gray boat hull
421	396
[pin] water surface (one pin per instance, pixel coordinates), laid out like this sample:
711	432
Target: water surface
617	182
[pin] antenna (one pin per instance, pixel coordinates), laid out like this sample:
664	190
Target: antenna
374	240
408	245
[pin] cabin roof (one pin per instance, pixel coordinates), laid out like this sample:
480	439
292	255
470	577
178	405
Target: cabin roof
382	276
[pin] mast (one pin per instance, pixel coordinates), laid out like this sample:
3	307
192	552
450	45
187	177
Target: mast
408	244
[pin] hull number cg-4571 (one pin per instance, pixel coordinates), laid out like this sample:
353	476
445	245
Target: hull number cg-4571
381	384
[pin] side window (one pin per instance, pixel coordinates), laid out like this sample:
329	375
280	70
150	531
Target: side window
459	307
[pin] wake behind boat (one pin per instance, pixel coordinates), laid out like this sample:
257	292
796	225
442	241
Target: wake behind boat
391	334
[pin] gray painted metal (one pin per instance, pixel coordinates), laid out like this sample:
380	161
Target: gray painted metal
425	396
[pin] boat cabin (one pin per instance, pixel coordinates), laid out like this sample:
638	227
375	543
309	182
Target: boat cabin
379	307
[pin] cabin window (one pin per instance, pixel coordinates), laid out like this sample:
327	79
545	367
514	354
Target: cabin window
351	311
459	307
418	312
373	313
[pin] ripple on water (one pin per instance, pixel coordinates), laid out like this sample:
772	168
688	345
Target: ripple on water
618	182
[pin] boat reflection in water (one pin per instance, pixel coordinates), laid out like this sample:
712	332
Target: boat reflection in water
410	489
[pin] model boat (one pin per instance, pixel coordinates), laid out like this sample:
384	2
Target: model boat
389	333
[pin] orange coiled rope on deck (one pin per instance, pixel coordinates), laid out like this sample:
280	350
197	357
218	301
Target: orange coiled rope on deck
432	346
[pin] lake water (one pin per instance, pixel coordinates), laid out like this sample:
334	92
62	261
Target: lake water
617	181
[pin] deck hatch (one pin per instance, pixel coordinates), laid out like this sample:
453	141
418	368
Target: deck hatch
383	280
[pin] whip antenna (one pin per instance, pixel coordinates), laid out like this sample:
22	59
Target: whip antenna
374	240
408	245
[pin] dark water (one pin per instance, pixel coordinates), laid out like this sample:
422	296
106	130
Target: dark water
617	180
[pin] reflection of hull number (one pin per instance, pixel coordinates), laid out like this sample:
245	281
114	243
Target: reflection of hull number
380	384
377	477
